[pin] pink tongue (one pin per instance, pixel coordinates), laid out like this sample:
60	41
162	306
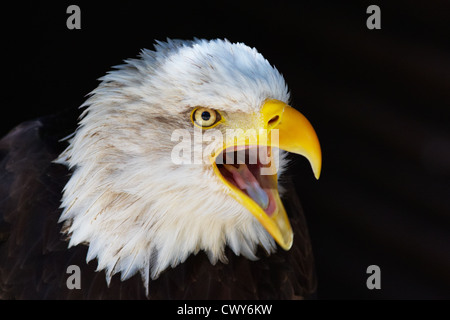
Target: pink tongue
245	180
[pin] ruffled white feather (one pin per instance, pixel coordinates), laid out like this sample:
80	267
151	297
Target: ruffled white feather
126	199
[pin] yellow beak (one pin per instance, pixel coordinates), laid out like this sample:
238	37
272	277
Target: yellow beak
296	135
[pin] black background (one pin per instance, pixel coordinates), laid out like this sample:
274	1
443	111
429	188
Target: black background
378	99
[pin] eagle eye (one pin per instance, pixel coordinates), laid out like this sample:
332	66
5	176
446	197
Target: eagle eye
205	118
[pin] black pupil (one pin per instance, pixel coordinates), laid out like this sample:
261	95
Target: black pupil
206	115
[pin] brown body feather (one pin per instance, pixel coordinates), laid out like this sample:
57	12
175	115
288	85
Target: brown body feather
34	256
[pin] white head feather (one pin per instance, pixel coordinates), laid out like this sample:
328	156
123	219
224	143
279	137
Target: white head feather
126	199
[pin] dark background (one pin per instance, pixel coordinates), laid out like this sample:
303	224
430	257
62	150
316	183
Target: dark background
378	99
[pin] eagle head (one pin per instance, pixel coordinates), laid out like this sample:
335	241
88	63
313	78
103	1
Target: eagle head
152	181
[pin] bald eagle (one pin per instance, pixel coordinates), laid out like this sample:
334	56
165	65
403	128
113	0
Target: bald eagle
122	198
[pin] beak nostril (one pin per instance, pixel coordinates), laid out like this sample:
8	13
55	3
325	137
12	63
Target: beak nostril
273	120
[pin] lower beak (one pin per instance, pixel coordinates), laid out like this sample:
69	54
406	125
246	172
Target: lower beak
287	129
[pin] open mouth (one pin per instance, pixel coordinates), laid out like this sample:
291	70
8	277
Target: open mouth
249	170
